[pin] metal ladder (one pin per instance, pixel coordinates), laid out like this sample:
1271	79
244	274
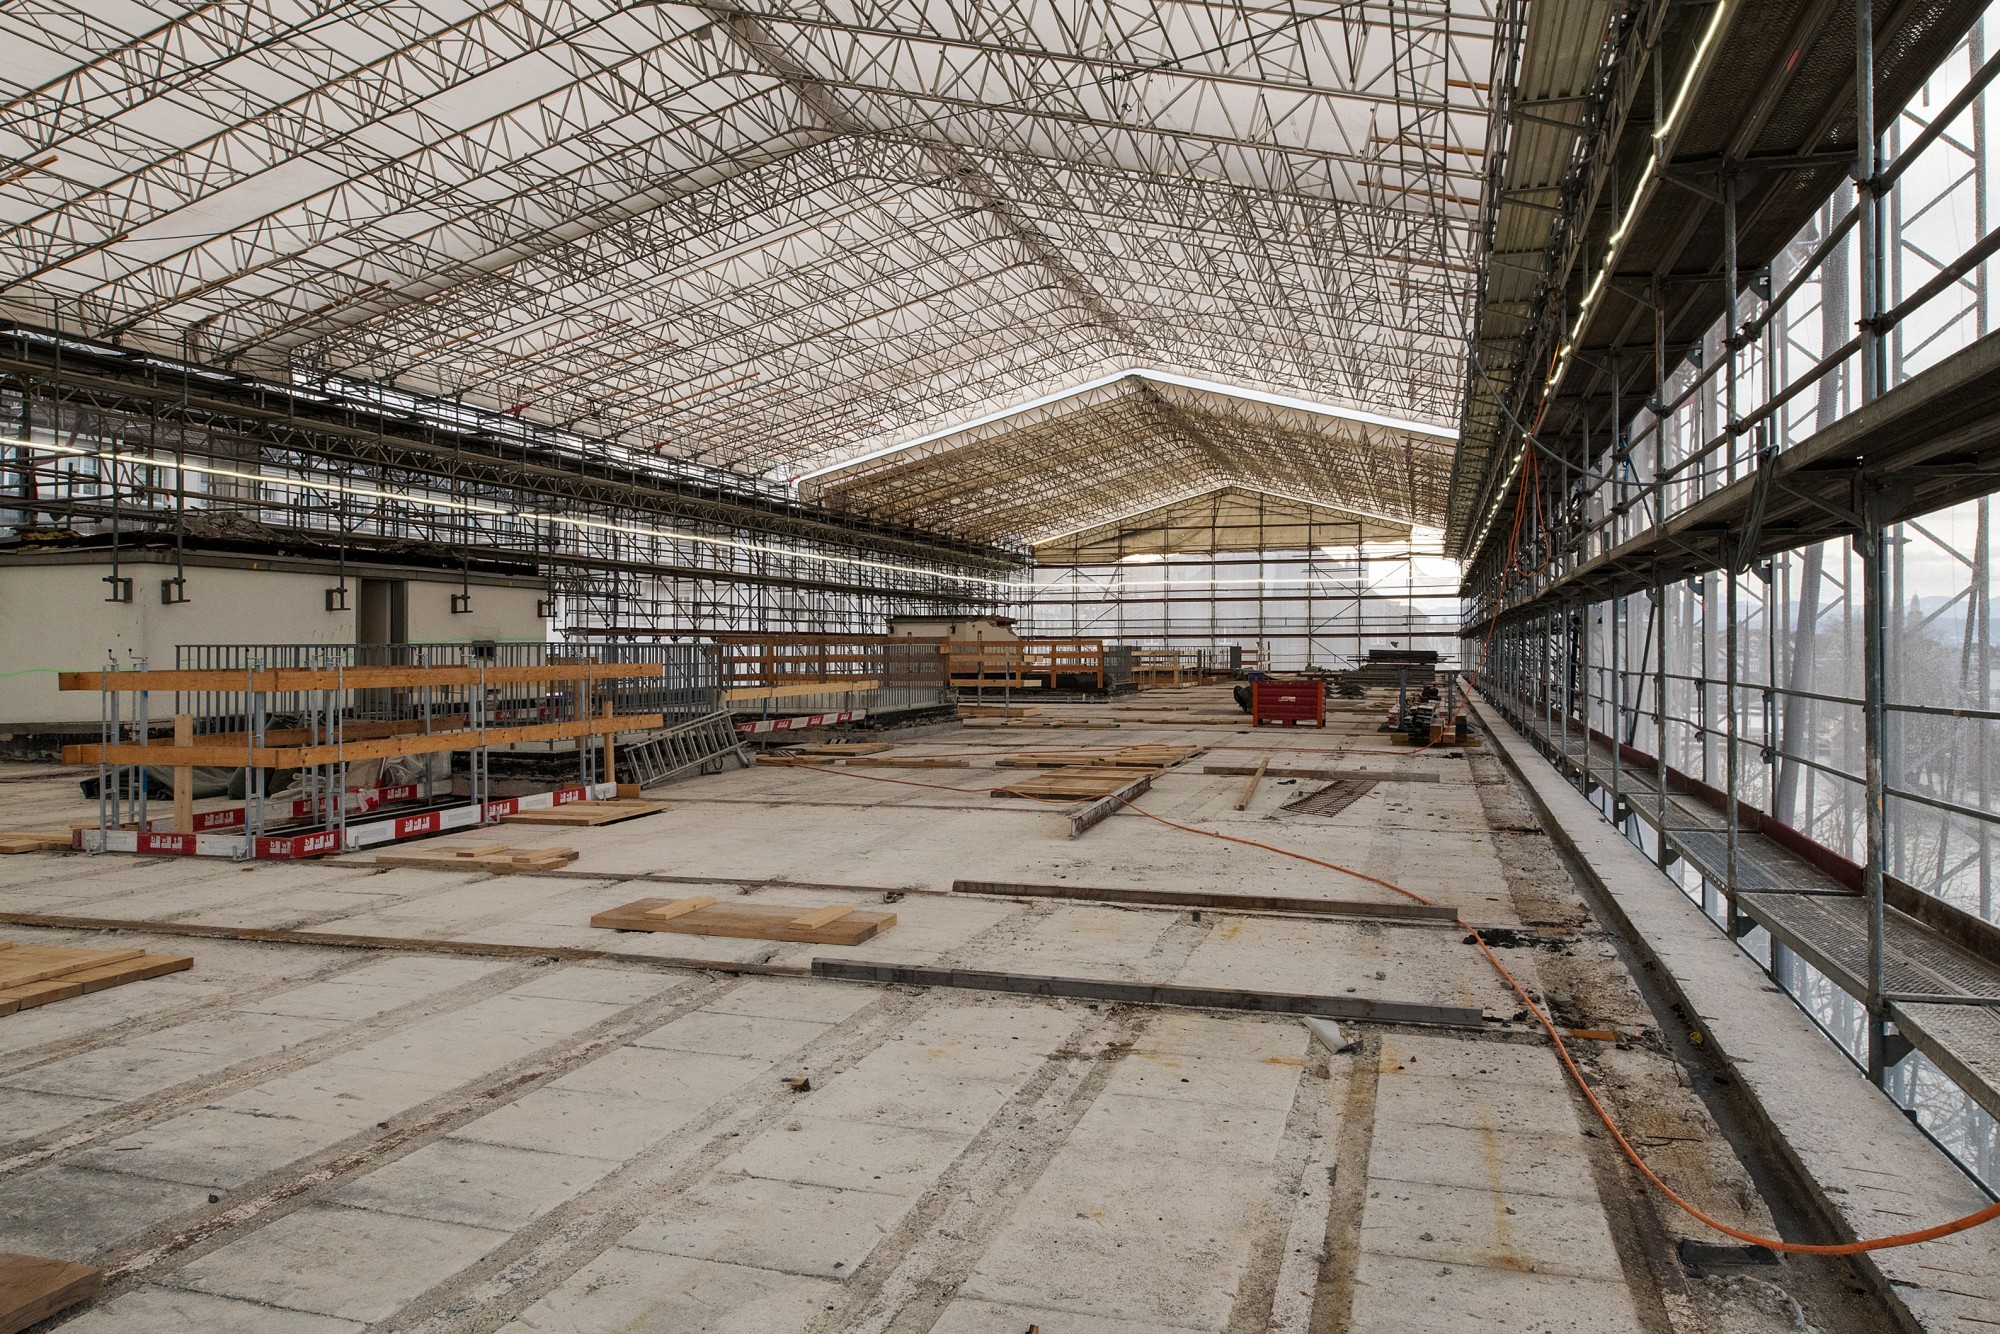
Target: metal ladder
694	747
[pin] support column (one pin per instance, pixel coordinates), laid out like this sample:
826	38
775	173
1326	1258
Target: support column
1871	547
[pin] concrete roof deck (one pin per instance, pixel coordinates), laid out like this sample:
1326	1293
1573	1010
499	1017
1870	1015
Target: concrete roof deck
312	1136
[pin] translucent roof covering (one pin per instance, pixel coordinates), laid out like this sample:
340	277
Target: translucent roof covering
772	241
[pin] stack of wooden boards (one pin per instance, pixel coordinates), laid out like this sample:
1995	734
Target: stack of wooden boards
32	975
496	858
1089	774
701	915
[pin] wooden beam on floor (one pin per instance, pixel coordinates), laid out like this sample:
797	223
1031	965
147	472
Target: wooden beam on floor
1160	994
1250	788
1191	898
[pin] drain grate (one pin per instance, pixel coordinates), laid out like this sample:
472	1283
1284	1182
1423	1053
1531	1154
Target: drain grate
1332	799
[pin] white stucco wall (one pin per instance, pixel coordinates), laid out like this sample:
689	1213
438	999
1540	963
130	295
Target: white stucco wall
53	617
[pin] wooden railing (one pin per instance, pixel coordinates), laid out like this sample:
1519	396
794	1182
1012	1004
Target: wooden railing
1026	663
775	666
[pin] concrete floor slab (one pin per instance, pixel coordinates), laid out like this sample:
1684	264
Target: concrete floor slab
954	1104
789	1226
599	985
1395	1295
641	1292
660	1075
29	1113
357	1264
343	1096
238	1035
848	1155
98	1209
783	998
1475	1224
481	1185
213	1149
117	1073
1517	1161
968	1315
719	1033
608	1126
155	1310
28	1029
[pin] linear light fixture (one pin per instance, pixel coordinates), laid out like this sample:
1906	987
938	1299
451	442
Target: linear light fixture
1158	377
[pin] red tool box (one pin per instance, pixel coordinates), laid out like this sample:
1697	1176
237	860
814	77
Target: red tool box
1288	702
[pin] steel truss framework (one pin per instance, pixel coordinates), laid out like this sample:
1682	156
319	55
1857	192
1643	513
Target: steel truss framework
1084	460
1773	582
766	241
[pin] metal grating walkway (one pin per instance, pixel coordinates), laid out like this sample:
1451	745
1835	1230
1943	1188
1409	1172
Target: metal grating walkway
1832	935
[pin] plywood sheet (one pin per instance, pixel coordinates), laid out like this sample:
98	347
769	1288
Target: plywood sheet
584	813
795	923
33	1288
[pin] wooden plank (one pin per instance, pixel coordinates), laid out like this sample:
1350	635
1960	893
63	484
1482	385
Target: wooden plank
32	963
41	993
497	858
821	916
907	762
299	757
831	686
997	711
586	813
1250	788
1324	775
33	1288
796	761
11	843
141	969
749	921
1045	759
610	774
1190	898
1074	783
183	776
681	906
88	980
356	678
1161	994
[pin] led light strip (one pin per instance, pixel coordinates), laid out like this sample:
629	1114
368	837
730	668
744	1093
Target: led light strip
476	507
1641	196
1158	377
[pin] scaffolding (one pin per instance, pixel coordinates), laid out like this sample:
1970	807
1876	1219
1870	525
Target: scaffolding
1739	589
